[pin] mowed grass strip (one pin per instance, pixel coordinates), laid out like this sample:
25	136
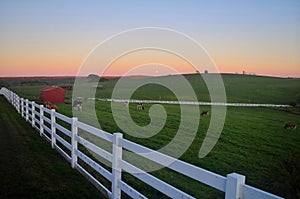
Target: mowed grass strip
30	168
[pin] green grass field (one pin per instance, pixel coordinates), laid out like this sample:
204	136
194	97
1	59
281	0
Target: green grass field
239	89
253	141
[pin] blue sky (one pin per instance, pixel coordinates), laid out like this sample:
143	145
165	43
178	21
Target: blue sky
255	36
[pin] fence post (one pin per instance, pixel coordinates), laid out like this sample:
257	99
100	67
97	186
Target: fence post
13	100
74	144
10	96
234	184
53	130
41	120
18	104
33	114
116	168
26	110
22	107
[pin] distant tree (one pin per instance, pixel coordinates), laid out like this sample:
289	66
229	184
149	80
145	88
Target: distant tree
93	78
102	79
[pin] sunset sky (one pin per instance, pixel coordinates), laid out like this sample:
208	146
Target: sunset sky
41	38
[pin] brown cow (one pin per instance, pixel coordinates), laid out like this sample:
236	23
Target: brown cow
140	106
290	125
49	105
205	112
77	104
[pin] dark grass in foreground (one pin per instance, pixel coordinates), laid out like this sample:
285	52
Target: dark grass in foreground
30	168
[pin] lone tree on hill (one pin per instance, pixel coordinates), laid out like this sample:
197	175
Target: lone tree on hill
93	78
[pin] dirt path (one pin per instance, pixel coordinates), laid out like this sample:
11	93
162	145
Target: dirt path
29	168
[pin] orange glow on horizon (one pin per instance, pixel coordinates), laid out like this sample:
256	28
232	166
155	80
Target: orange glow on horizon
59	65
151	58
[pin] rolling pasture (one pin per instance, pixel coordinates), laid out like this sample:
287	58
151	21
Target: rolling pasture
253	141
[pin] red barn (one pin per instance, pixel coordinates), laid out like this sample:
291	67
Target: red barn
53	94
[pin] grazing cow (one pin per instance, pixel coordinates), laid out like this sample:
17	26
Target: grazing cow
54	107
77	104
290	125
205	112
126	103
49	105
140	106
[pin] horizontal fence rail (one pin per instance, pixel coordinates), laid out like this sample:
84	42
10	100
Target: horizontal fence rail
66	140
188	103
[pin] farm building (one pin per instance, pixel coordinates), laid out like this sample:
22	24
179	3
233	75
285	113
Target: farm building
53	94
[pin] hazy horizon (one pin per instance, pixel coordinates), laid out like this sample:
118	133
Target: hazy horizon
139	75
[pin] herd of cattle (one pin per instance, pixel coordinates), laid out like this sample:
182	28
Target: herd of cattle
77	105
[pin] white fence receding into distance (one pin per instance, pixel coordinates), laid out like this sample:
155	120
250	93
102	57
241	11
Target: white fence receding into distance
66	141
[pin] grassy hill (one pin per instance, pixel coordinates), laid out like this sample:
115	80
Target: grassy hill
261	89
239	89
253	141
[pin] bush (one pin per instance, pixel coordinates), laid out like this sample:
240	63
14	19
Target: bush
93	78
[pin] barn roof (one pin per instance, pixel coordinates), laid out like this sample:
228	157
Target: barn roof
52	88
53	94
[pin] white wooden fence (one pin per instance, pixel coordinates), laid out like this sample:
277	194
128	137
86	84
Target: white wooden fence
189	103
233	184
